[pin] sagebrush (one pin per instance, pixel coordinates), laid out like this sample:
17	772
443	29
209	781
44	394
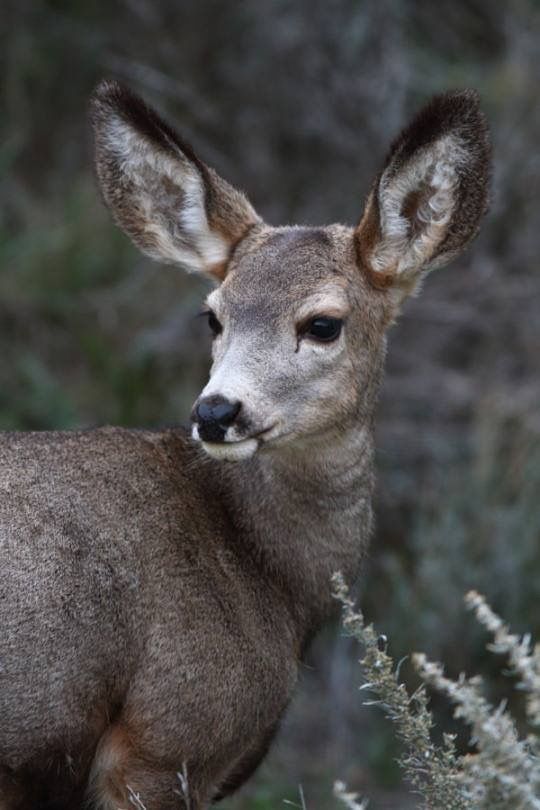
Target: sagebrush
501	771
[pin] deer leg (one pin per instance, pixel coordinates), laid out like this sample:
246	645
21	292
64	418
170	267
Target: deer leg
123	778
12	794
35	790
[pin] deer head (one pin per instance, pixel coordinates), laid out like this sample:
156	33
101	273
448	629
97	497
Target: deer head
298	314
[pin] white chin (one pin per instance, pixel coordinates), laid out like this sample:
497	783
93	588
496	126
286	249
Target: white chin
231	451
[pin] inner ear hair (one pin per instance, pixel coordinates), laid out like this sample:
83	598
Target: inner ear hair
427	203
412	207
174	207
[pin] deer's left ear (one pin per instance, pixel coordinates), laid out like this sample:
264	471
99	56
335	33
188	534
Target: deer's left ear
427	203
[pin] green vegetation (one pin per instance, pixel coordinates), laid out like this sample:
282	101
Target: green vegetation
501	770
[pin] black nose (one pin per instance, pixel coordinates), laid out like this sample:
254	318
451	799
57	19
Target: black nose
213	416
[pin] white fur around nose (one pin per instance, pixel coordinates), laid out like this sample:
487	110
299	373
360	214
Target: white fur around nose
186	239
434	173
231	451
229	379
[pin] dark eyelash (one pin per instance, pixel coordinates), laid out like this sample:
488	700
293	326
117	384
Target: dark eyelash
214	323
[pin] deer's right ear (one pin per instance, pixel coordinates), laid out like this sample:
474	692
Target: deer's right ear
174	207
427	203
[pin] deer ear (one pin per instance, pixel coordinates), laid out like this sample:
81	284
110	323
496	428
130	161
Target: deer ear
427	203
172	205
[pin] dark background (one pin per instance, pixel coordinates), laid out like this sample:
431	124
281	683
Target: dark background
296	103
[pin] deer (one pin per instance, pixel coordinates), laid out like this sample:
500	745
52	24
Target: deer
159	588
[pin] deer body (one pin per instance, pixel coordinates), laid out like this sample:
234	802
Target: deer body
158	590
174	638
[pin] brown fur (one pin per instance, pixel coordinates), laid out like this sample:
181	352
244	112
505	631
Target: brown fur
367	236
155	601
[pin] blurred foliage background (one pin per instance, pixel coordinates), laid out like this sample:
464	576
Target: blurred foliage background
296	103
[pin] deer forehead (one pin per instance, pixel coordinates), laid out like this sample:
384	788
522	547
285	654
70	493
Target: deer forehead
290	272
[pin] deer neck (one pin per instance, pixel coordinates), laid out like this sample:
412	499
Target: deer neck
305	512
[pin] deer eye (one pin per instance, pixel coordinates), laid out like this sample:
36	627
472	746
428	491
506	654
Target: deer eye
215	326
324	330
